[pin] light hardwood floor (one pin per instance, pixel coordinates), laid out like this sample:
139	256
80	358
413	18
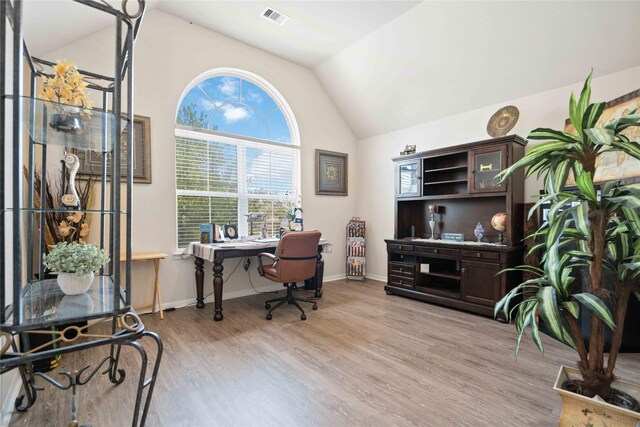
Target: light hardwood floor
364	358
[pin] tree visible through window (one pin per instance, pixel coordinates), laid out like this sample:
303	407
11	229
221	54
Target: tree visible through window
234	155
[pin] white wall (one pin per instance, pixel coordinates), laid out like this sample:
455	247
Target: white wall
170	53
375	168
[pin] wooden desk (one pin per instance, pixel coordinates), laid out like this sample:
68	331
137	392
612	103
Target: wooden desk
155	257
202	252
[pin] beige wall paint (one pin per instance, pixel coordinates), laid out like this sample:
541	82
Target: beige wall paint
375	169
170	53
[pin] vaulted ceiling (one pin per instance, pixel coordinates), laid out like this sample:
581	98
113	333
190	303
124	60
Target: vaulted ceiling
389	64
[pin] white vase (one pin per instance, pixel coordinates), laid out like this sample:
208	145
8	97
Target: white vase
73	283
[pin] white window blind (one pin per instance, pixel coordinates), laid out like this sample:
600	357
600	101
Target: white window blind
221	182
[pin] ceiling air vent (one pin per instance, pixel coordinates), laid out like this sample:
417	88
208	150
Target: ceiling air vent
275	16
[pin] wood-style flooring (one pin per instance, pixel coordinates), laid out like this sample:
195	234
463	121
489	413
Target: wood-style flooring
364	358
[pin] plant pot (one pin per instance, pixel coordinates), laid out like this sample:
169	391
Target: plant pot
75	284
66	122
578	410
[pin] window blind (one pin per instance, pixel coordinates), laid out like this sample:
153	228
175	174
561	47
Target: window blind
222	180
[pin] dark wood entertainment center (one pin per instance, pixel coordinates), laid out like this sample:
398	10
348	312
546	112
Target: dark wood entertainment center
460	181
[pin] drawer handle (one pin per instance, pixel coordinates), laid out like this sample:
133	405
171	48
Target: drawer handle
463	270
478	254
400	247
401	270
435	251
401	282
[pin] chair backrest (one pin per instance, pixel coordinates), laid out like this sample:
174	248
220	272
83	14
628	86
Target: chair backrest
297	252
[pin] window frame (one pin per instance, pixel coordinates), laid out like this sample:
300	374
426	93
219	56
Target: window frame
241	142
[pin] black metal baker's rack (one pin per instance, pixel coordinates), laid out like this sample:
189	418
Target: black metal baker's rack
31	303
356	266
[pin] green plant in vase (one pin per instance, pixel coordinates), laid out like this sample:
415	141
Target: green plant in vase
585	228
75	264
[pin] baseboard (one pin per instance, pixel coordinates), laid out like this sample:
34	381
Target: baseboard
377	277
10	398
235	294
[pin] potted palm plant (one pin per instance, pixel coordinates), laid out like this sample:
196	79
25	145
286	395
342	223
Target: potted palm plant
590	228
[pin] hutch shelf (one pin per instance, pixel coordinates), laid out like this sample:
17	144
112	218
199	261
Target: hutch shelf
453	189
38	321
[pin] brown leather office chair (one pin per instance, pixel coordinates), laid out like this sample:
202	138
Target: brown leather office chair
294	261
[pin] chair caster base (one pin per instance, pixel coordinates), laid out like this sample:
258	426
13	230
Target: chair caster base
315	306
268	316
267	306
303	317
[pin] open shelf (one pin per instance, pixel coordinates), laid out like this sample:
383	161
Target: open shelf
44	304
68	125
447	169
452	181
438	288
443	275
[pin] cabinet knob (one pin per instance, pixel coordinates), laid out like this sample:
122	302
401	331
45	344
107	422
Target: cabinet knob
435	251
400	247
419	178
401	269
478	254
401	282
463	270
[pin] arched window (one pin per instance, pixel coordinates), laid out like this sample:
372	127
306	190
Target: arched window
237	152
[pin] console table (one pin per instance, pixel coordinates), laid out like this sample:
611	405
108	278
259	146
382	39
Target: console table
216	253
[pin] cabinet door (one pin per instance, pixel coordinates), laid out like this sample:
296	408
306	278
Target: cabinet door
479	283
409	178
486	163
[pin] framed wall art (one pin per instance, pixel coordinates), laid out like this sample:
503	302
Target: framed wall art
91	161
616	165
331	173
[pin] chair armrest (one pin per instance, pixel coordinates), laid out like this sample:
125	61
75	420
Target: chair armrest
268	255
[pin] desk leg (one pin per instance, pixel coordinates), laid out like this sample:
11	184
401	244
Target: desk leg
319	275
217	289
199	282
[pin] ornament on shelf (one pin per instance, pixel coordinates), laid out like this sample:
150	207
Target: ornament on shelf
70	199
479	232
499	223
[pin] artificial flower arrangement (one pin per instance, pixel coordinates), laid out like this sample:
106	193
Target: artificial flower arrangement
75	264
80	258
66	86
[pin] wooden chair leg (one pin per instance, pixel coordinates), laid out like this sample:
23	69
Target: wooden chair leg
156	289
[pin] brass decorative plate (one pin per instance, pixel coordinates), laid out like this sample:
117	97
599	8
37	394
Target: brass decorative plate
503	121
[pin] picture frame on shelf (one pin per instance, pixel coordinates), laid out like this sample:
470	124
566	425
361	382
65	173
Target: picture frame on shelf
332	173
614	166
91	161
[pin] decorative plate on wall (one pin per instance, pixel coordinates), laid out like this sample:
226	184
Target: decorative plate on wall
503	121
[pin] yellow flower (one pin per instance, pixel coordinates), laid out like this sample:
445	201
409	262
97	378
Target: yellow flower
84	230
77	216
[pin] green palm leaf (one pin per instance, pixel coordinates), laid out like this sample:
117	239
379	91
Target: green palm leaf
597	307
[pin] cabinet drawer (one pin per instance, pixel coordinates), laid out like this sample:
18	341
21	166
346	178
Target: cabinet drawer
401	269
401	281
481	255
400	247
446	252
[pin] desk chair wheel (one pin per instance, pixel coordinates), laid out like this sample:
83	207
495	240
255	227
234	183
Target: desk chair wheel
269	317
303	317
315	306
267	306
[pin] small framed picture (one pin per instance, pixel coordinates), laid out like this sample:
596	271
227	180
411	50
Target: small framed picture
332	173
230	231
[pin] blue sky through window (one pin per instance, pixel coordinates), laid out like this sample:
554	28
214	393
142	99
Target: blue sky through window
234	106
